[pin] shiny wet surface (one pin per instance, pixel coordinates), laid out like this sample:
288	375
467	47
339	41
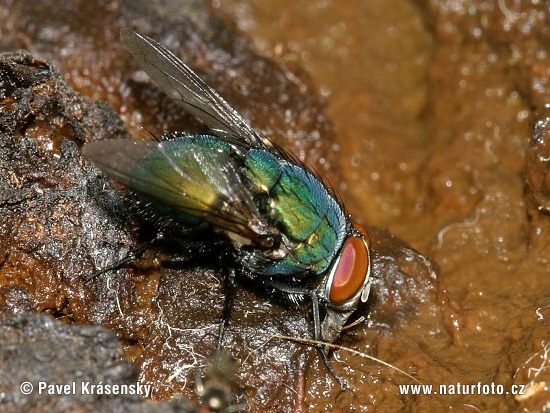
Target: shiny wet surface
433	107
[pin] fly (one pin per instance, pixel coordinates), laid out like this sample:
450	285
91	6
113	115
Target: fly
288	231
216	389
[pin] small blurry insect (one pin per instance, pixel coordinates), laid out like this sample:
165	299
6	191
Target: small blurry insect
288	231
216	390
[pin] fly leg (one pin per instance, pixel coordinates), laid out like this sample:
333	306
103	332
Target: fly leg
323	349
228	304
137	254
191	248
290	289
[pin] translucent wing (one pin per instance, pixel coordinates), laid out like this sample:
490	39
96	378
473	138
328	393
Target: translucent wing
194	175
177	80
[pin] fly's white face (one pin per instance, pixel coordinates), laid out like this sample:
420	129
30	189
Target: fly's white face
348	282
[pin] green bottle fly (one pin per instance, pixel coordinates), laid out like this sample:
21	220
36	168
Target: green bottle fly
288	230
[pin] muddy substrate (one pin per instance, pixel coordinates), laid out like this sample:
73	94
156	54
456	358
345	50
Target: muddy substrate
443	138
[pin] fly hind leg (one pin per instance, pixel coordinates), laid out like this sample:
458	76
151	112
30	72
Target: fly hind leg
229	287
135	255
173	244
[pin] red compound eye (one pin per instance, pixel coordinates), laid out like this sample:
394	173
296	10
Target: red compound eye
351	270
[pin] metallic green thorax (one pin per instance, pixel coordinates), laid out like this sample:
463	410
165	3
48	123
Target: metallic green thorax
304	211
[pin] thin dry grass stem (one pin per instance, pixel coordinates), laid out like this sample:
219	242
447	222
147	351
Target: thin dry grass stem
535	387
350	350
358	321
253	350
186	367
161	321
464	224
115	292
544	353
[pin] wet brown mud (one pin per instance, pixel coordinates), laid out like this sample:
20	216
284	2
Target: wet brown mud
441	135
440	113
